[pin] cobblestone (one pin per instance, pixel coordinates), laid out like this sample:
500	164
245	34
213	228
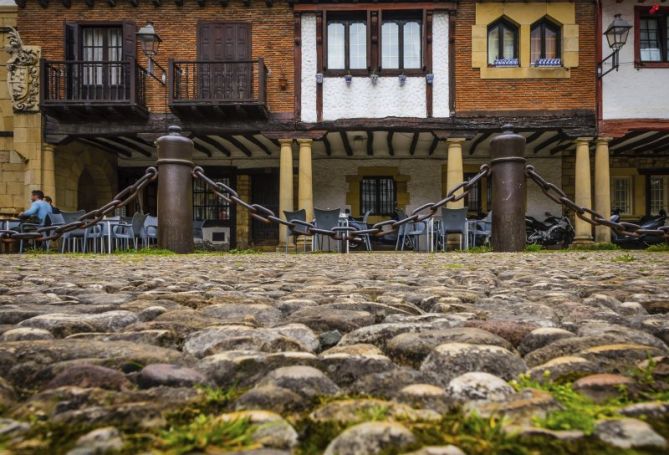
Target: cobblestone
290	330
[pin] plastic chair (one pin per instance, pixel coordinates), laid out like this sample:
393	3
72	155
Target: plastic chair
198	234
73	238
326	219
454	221
298	229
130	232
411	232
483	229
54	219
150	230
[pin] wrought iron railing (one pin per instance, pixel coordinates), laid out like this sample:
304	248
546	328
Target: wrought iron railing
209	82
77	82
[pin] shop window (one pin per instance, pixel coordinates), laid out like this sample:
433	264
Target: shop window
621	195
347	42
658	193
653	36
379	195
401	39
503	43
208	206
545	43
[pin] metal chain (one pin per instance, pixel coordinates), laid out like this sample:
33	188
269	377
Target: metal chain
48	233
342	233
588	215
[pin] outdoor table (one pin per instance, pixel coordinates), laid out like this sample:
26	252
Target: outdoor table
5	222
107	230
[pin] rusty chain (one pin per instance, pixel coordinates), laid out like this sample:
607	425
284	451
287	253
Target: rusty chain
266	215
588	215
48	233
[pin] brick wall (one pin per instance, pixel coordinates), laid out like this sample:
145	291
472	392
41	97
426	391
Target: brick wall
475	94
272	35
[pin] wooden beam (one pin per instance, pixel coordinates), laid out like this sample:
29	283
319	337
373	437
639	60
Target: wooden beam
104	147
328	146
370	143
547	142
478	141
389	139
533	137
245	150
414	143
111	143
133	142
433	145
201	149
635	146
257	142
347	144
627	137
654	145
217	145
562	147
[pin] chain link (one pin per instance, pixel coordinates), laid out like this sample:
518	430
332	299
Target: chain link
588	215
49	233
349	233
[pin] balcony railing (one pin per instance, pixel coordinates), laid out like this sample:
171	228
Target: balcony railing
219	86
85	83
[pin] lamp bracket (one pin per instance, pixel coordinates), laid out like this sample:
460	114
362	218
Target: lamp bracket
150	71
615	63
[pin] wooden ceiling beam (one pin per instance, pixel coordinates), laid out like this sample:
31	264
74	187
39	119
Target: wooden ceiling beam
547	142
347	144
533	137
370	143
133	142
109	142
244	149
389	139
646	143
478	141
328	146
414	143
259	144
217	145
433	146
104	147
625	138
562	147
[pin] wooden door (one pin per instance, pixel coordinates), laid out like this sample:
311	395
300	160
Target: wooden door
227	45
265	191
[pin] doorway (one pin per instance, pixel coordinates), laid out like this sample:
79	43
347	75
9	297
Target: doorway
265	191
87	198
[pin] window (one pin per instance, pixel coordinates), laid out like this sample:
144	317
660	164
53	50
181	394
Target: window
659	193
502	43
347	43
378	195
473	198
621	195
208	206
654	37
401	42
545	43
102	44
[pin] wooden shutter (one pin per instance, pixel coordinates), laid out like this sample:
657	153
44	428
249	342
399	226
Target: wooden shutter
72	47
129	40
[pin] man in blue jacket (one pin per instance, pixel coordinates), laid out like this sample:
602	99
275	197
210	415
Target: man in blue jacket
39	208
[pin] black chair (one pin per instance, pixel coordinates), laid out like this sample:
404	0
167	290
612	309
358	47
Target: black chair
298	229
326	219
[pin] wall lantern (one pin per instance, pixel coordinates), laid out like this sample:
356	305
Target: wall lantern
150	41
319	78
374	78
616	35
348	78
429	78
403	79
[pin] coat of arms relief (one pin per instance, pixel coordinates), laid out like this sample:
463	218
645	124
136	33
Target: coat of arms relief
22	72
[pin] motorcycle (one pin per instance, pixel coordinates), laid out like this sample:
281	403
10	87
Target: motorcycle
644	240
553	231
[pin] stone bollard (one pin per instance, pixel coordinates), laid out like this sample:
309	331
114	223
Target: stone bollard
175	192
509	191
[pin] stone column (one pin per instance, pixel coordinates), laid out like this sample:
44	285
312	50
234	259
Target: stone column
49	171
602	187
454	172
305	192
583	192
285	186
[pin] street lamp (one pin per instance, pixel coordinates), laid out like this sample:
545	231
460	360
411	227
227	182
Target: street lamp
150	41
616	35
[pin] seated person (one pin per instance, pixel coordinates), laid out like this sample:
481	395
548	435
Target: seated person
38	210
54	209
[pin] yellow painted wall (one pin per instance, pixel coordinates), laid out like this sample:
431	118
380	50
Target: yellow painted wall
353	193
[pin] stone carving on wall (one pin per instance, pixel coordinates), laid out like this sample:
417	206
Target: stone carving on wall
22	72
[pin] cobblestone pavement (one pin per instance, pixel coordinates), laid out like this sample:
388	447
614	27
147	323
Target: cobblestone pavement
342	354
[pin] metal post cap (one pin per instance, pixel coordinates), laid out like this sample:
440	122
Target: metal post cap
507	129
174	130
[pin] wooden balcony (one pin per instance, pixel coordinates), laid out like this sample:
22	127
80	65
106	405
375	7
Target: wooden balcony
232	90
84	90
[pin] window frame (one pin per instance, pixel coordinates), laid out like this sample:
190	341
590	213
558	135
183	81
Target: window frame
516	39
401	18
346	18
641	12
663	173
377	178
630	196
545	23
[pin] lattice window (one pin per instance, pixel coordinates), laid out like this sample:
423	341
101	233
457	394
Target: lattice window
378	194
